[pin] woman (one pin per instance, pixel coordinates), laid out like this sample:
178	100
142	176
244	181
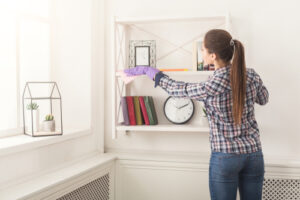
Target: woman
229	96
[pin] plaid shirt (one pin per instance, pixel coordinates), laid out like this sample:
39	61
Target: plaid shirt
217	97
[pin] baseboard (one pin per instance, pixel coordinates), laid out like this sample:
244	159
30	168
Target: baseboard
276	166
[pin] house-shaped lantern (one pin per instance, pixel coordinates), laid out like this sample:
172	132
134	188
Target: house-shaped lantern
42	109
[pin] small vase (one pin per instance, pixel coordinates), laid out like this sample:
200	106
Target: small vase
204	121
35	123
49	126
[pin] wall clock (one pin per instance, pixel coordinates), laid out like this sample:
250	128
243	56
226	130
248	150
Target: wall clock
179	110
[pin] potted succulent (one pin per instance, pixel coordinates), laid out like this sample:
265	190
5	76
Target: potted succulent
34	108
49	123
203	118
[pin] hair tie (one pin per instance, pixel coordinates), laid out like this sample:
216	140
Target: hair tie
231	42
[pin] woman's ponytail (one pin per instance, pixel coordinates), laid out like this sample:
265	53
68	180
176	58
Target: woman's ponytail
220	42
238	81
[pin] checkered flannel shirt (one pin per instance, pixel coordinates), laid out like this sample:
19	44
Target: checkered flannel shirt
217	97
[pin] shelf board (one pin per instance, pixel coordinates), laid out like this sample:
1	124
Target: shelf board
186	73
133	20
164	128
189	73
40	98
45	133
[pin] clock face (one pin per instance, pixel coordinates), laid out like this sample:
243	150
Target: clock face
178	110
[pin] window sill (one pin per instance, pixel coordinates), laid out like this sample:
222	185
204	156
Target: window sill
10	132
19	143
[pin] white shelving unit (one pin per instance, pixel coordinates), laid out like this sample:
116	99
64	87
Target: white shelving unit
120	42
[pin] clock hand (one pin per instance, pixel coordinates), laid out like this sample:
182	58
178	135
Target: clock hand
183	105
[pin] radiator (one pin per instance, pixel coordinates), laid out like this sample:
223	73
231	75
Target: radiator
95	190
281	189
273	189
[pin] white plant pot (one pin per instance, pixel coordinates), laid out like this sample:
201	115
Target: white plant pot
49	126
204	121
35	121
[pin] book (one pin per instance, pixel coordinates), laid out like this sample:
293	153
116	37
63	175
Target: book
150	111
148	108
137	110
153	109
130	107
144	111
125	111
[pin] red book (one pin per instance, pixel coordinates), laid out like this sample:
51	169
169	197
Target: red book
130	109
144	110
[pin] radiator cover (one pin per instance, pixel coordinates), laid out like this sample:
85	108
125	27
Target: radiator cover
95	190
281	189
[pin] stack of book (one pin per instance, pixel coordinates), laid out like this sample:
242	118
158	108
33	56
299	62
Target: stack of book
138	110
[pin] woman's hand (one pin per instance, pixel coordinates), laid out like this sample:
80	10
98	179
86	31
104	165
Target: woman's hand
141	70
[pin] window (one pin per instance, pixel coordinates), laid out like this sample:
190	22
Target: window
45	40
25	55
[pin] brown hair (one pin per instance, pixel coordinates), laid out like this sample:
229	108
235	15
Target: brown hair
220	42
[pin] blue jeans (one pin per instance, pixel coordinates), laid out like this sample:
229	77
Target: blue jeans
229	171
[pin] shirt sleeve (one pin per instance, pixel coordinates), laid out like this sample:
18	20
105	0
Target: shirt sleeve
262	94
180	89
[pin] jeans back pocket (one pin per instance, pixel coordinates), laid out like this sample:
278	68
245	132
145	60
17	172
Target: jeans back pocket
224	166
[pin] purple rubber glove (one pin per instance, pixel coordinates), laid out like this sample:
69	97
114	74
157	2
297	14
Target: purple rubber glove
140	70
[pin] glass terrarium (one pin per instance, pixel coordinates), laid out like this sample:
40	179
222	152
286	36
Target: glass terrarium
42	109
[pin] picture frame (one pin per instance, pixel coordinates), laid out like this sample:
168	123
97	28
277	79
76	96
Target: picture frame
197	55
198	63
142	53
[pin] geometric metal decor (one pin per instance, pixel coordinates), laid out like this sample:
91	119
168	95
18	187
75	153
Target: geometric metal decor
42	109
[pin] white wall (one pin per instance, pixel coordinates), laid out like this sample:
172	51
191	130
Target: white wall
269	30
71	55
